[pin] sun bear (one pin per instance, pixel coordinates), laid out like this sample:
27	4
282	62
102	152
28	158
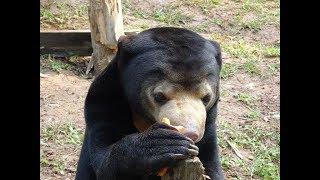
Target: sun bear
159	73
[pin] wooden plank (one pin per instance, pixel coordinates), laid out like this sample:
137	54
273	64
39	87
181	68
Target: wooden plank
68	42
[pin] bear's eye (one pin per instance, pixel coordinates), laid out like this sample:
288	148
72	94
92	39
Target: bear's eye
206	99
160	98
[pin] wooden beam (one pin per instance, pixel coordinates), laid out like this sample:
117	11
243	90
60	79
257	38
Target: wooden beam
68	42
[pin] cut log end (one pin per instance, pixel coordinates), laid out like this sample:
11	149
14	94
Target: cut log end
190	169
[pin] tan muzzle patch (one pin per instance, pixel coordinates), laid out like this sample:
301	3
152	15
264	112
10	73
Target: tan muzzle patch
187	111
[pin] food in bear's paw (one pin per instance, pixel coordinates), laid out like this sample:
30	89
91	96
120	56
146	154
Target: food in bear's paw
181	129
166	121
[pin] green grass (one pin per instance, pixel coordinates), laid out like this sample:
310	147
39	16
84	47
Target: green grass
250	54
273	17
261	13
138	14
228	70
272	51
65	16
204	26
82	11
46	15
242	49
274	67
245	98
216	21
49	133
223	93
144	26
229	160
129	8
255	24
170	16
265	163
73	58
63	134
73	135
57	164
75	64
126	6
59	19
205	5
253	5
57	65
253	114
251	68
252	139
200	28
259	21
47	61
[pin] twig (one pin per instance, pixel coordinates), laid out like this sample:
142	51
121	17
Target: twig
235	150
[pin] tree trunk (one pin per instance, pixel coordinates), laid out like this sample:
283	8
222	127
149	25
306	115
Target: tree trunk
106	24
190	169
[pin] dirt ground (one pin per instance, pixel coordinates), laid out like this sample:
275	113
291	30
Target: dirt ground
249	112
61	102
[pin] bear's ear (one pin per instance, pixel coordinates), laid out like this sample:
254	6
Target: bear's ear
218	52
125	38
124	53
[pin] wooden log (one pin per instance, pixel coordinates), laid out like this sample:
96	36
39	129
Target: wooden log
190	169
106	24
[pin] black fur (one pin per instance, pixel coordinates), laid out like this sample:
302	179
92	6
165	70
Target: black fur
112	147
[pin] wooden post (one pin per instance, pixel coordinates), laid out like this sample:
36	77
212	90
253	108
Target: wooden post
106	24
190	169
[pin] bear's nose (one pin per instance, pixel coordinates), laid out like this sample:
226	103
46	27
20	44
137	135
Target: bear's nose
192	135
